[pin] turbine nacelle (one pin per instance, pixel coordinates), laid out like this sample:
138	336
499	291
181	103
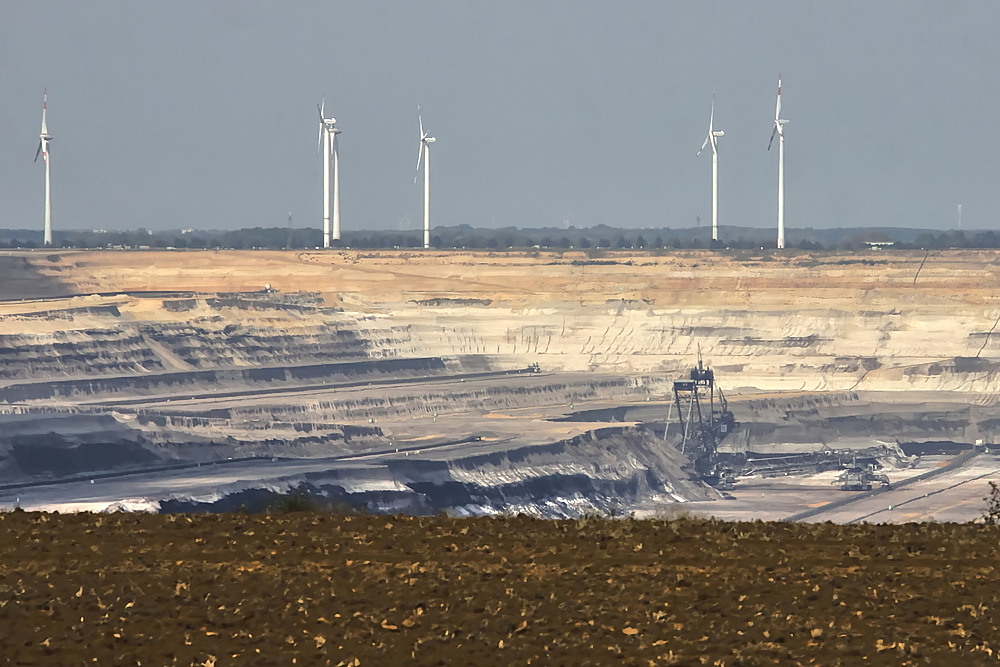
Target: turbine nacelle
327	123
712	138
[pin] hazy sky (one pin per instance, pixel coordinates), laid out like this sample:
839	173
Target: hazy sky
195	113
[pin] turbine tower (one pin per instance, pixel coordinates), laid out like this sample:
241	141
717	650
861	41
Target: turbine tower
713	138
778	124
424	153
328	132
43	149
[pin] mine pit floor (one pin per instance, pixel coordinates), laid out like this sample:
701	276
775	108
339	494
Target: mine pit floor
954	496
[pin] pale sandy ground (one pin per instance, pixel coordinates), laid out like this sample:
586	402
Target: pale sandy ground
957	496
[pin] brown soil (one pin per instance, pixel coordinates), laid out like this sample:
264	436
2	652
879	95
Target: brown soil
314	589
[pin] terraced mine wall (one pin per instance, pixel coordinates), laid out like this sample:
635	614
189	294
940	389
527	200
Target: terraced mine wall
795	321
42	445
248	380
123	359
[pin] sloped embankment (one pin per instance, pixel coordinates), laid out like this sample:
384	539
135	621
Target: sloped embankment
43	446
601	471
46	445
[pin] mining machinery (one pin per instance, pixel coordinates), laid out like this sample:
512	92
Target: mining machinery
705	421
857	478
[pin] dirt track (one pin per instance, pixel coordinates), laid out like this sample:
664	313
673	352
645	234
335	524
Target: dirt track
323	589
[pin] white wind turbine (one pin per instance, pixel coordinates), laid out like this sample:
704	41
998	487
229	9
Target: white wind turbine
713	138
328	132
778	123
424	153
43	149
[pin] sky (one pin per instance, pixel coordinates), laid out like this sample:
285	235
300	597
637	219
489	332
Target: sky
203	114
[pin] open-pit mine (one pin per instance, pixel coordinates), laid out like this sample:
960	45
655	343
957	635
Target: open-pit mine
861	386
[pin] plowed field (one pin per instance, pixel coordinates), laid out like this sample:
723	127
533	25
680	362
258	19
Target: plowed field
317	589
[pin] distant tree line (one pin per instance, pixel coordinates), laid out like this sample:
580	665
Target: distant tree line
465	236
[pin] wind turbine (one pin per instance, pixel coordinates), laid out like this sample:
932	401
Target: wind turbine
713	138
778	123
328	132
424	153
43	149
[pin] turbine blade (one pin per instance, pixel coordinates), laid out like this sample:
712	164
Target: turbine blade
777	106
320	108
711	116
45	108
39	151
420	122
773	132
705	143
420	155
